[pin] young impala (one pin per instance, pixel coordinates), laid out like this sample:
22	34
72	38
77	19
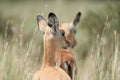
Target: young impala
53	39
64	57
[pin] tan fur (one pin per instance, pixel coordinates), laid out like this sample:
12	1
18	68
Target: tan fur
64	56
51	73
69	34
48	71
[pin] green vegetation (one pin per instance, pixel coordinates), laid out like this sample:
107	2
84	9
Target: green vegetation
96	21
8	25
98	40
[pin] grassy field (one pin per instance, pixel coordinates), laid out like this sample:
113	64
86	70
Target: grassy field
22	55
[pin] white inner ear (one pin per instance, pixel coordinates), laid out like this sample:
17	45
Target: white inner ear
71	26
42	25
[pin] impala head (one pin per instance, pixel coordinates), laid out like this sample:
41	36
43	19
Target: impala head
51	30
69	29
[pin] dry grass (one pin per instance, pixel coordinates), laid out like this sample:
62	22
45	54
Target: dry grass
102	62
19	60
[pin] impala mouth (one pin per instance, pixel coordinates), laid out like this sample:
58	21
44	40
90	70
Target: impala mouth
70	46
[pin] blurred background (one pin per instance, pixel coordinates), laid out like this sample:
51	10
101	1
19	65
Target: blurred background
97	51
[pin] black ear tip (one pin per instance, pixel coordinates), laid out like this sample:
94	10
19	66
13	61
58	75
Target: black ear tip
79	13
39	17
51	14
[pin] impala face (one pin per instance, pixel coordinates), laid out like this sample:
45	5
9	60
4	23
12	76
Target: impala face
64	57
51	30
69	29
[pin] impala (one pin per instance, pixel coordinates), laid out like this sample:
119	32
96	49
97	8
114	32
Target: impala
53	38
64	57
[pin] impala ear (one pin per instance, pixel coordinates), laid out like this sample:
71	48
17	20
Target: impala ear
53	21
42	24
76	20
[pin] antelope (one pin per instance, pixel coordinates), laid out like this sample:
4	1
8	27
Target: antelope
53	38
64	57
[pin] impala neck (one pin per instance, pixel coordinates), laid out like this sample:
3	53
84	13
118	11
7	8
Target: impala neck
49	53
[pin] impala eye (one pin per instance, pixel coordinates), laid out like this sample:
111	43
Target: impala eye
63	32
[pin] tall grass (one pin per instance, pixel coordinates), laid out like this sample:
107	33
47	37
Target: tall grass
102	62
19	62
